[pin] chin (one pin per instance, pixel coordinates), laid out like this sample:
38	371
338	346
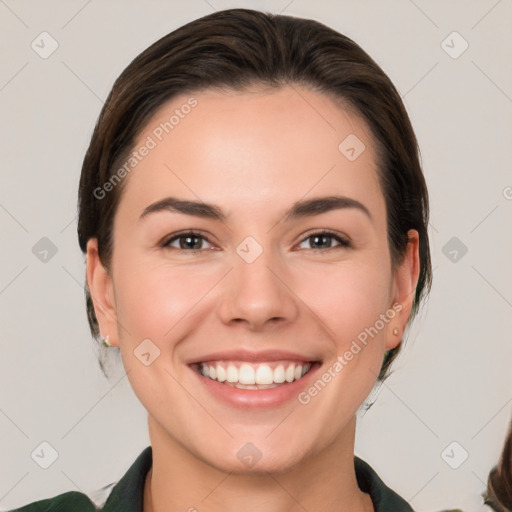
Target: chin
257	457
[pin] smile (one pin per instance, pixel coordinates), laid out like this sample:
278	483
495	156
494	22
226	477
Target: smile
256	381
254	376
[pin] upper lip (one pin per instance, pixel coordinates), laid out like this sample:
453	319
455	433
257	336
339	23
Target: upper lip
245	355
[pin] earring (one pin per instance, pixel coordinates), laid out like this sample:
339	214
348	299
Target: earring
395	331
105	342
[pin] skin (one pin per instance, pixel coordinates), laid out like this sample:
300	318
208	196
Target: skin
253	154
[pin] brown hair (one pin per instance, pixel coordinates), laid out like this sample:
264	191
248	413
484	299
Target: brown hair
236	49
499	484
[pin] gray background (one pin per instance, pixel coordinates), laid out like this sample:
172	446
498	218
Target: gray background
452	383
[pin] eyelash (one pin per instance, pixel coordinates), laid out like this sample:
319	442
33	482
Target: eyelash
344	243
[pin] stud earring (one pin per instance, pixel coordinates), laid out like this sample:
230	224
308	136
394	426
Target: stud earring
105	342
395	331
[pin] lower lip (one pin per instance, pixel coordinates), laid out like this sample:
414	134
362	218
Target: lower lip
258	398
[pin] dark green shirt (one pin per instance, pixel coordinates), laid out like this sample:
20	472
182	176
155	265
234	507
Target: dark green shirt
127	495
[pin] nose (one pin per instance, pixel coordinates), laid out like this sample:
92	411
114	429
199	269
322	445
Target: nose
258	294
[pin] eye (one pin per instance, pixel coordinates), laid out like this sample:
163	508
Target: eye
189	241
324	238
192	241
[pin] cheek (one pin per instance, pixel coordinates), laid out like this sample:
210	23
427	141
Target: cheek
156	300
347	297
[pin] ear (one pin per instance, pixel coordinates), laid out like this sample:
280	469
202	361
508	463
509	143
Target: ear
101	289
405	280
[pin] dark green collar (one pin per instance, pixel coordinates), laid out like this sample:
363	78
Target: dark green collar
128	494
384	499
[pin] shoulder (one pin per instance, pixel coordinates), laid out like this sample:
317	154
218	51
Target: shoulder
383	498
71	501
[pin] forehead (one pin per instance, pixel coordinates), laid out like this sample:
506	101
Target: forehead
253	151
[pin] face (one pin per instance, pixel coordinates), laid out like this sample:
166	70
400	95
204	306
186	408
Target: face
292	300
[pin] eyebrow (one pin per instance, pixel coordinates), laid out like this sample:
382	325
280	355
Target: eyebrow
299	209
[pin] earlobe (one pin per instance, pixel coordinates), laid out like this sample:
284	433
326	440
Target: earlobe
100	286
405	281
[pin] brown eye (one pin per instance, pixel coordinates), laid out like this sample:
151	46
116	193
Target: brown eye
189	241
323	240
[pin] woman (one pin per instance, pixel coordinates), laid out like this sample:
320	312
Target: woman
254	216
499	484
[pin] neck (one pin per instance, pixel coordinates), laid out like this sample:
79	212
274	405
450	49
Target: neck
325	482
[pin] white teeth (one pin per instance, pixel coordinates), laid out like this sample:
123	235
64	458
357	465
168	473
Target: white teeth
264	375
279	374
221	374
290	373
232	374
246	375
254	376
